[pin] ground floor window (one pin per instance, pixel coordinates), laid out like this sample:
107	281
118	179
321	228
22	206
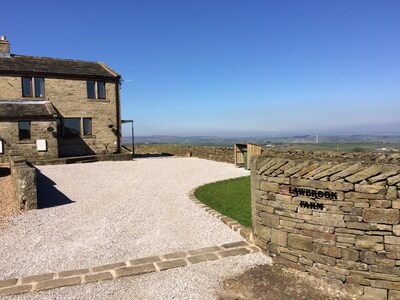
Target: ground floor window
24	130
87	126
70	127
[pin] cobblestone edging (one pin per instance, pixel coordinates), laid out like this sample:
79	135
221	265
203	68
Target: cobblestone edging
245	232
121	269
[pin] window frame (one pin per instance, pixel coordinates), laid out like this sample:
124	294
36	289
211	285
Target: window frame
23	138
99	89
32	86
61	132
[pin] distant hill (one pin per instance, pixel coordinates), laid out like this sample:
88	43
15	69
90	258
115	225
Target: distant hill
229	141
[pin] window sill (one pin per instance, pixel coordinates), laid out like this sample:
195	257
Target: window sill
89	136
33	98
77	137
26	142
98	100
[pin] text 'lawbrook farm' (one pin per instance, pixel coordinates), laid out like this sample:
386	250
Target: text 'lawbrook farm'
312	194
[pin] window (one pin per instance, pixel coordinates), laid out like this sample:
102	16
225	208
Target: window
72	126
96	89
59	127
39	86
27	86
87	126
24	130
101	92
90	89
37	89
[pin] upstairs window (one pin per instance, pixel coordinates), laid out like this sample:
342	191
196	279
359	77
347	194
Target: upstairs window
101	91
96	89
27	86
36	90
90	84
24	130
39	87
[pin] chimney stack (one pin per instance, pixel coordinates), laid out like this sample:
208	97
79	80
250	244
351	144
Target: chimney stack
4	47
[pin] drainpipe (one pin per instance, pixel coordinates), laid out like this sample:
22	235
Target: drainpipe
118	108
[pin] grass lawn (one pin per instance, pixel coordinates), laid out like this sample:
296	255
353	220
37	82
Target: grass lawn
230	197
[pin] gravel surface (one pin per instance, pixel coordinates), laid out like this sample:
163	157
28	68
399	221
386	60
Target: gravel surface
197	282
113	211
8	203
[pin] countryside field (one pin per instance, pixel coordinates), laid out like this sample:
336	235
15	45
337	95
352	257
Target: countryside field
347	147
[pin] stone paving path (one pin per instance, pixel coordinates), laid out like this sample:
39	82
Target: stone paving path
121	269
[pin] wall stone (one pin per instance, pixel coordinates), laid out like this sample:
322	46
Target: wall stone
330	214
24	179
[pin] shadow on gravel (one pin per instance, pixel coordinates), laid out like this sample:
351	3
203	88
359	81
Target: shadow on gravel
47	194
4	171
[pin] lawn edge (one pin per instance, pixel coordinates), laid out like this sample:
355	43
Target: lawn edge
245	232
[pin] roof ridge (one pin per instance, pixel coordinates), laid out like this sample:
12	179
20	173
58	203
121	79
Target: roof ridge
55	58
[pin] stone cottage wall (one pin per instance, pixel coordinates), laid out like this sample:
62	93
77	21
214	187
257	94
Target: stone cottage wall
332	216
12	146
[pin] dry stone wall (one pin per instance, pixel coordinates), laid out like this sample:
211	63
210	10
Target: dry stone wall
222	154
332	216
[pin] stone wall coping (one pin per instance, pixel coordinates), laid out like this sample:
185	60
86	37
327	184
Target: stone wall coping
333	156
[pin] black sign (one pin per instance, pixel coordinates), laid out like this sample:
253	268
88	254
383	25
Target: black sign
313	193
311	205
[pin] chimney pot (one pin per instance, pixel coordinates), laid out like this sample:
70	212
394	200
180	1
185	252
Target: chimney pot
3	38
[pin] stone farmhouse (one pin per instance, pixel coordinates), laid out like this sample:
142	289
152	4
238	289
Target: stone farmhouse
51	107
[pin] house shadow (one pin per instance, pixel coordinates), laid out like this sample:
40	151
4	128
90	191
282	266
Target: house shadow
47	194
4	171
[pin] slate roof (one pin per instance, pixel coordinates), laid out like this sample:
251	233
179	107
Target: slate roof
57	67
11	110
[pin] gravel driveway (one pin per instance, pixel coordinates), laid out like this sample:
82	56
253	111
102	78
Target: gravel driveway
113	211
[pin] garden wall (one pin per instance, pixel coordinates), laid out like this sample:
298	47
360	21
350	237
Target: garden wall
333	215
222	154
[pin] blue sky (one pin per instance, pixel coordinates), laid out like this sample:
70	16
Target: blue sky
229	67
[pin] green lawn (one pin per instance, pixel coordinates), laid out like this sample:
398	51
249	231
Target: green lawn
230	197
